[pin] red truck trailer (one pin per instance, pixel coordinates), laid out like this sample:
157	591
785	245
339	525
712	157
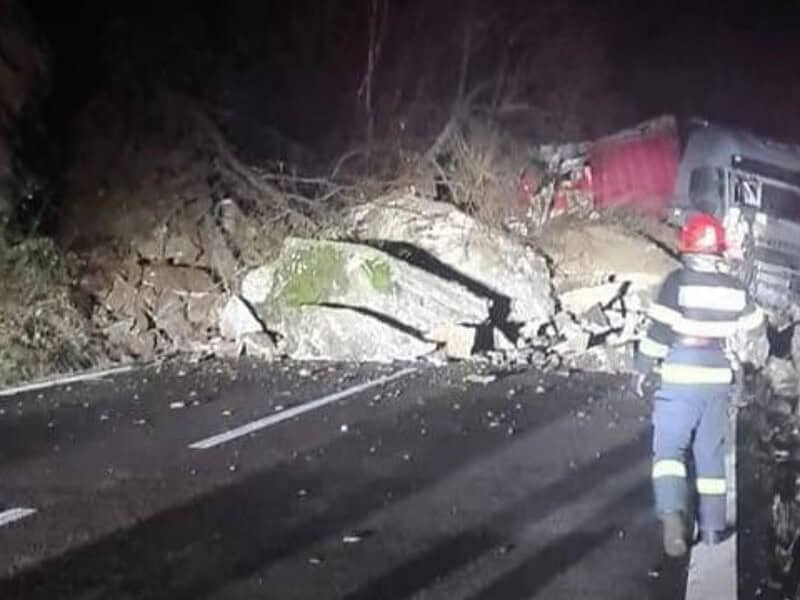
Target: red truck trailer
636	168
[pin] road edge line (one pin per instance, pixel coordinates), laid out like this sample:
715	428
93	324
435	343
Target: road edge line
12	515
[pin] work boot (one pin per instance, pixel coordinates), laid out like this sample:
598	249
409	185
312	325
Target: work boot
675	544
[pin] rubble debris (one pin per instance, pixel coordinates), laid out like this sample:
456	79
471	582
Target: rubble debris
121	298
218	252
537	357
500	342
238	320
480	379
204	309
352	539
574	339
783	377
182	280
622	297
750	349
256	285
260	345
221	348
605	359
458	340
596	321
128	336
169	314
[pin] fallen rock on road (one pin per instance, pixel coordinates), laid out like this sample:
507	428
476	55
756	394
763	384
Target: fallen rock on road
344	301
238	320
459	247
344	334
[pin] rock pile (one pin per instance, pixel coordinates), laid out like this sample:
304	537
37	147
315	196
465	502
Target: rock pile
403	278
174	290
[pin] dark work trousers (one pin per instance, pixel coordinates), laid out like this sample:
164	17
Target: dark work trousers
696	418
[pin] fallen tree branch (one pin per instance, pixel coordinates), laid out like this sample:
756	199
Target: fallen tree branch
350	154
460	112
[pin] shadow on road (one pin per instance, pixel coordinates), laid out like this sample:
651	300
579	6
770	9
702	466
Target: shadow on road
534	574
36	433
499	529
192	550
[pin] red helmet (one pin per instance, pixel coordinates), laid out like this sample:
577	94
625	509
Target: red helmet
702	234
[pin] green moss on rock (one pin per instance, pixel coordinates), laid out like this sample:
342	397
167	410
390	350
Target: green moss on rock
310	274
379	273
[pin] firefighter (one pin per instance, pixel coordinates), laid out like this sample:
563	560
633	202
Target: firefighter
688	357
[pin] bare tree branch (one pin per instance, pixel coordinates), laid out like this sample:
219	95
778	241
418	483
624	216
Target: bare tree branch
379	12
466	54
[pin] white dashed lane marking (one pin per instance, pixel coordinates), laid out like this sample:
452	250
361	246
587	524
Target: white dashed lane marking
259	424
15	514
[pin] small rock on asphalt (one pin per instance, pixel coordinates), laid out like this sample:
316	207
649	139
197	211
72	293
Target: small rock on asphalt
481	379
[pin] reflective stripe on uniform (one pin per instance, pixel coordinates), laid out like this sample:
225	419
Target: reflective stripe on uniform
688	374
649	347
668	467
691	327
711	486
752	320
712	298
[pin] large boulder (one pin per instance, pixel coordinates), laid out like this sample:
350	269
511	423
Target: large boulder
346	301
344	334
445	240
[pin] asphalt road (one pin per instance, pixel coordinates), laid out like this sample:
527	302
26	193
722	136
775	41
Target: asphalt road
428	486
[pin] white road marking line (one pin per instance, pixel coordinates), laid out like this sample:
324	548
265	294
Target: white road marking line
15	514
712	570
66	380
258	424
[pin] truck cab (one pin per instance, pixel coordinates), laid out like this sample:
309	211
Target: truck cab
753	186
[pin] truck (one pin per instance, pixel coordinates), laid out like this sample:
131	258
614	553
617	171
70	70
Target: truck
752	184
670	170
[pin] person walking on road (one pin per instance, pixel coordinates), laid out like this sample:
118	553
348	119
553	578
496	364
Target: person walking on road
700	320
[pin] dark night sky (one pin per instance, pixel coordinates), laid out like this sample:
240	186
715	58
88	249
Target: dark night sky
299	64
